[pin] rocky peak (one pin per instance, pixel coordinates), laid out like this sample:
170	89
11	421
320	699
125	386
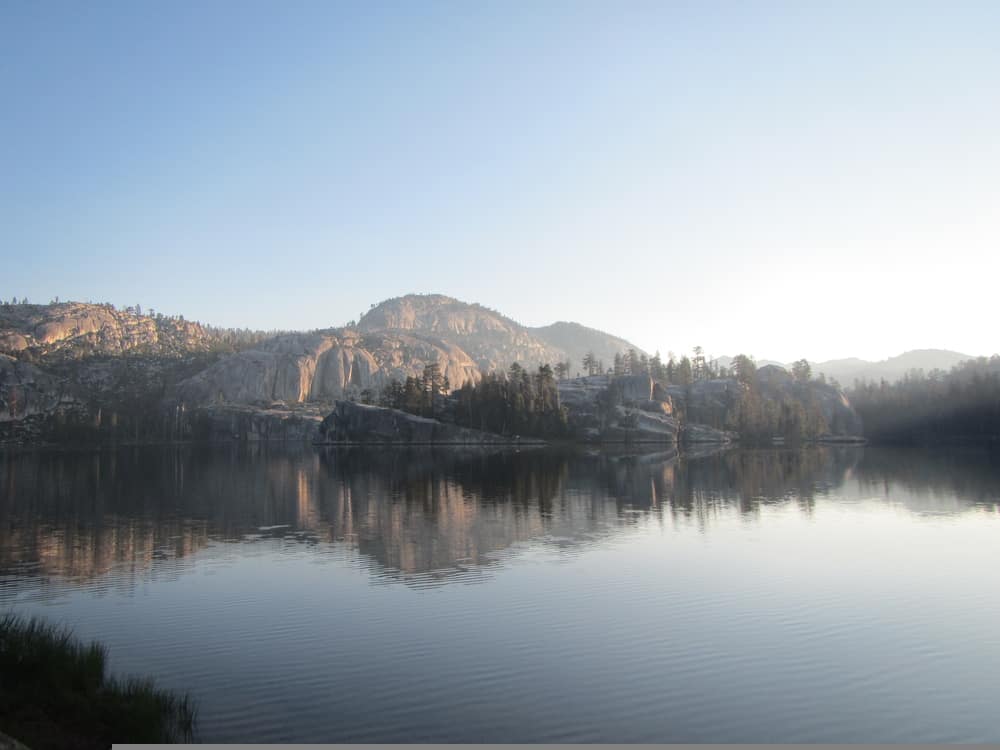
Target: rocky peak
324	366
494	341
75	330
435	313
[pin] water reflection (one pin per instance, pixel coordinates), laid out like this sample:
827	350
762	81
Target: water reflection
820	595
432	515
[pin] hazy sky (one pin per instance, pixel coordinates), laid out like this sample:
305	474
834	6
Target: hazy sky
783	179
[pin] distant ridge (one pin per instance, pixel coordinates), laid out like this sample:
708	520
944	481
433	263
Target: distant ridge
577	340
846	371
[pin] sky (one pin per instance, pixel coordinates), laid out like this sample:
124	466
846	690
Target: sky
786	180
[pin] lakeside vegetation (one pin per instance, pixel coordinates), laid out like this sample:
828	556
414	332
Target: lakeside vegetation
517	402
962	405
55	692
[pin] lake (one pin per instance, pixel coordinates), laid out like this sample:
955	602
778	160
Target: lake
836	594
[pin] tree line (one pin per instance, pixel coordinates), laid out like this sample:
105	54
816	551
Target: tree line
962	404
516	402
523	402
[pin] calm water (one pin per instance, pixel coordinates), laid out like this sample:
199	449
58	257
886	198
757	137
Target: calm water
827	595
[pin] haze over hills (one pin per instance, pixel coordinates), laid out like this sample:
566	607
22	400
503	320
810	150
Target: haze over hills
846	371
577	340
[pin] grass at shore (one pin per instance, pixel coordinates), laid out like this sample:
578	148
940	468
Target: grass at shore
55	693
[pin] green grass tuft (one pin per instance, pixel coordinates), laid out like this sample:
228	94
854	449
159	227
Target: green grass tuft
55	693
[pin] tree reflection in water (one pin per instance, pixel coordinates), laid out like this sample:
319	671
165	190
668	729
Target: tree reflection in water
423	511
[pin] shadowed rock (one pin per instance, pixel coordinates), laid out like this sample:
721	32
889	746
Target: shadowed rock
351	422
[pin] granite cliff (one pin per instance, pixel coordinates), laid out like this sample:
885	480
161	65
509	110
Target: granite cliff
394	340
75	371
323	367
493	341
77	330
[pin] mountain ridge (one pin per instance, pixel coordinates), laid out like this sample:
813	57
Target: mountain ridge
847	370
80	366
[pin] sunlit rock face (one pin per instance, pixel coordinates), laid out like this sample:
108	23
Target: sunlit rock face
400	355
493	340
76	346
293	368
490	339
73	330
297	368
91	359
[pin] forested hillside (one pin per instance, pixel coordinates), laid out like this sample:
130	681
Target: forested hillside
962	404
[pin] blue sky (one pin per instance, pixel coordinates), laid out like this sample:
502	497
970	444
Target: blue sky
783	179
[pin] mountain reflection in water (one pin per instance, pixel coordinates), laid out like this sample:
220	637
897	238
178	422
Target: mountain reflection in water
830	594
423	515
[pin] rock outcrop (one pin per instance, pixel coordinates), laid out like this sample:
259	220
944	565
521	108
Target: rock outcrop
74	330
111	367
717	400
394	340
351	422
493	341
603	407
293	369
322	367
26	391
247	423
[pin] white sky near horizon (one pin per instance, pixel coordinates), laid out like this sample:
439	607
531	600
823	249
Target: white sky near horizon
781	179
